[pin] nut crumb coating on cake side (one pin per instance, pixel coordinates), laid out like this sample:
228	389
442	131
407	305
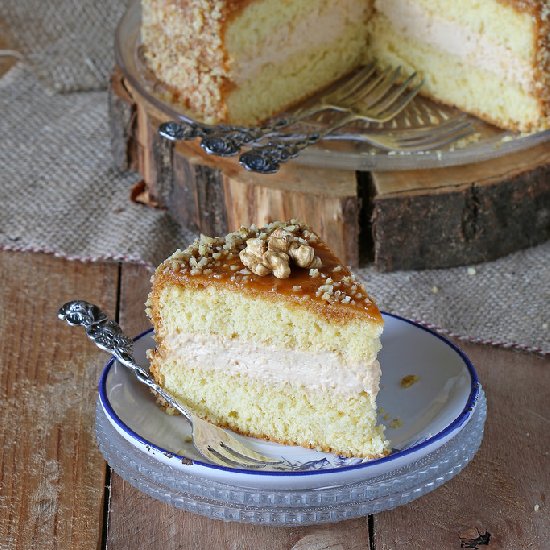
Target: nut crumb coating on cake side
539	10
312	277
243	61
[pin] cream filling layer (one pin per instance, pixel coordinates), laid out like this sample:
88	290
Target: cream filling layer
271	365
311	32
469	46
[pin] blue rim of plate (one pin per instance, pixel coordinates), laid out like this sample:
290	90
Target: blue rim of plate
455	424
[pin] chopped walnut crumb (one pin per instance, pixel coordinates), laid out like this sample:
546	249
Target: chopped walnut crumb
409	380
273	254
275	248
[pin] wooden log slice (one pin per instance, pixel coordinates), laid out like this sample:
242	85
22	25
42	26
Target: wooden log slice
415	219
461	215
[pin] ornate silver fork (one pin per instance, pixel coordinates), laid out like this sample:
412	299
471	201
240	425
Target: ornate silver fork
267	159
213	443
379	102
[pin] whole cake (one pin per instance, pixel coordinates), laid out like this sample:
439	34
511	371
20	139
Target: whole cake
242	61
265	332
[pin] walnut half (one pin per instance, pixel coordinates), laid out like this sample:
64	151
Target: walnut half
272	255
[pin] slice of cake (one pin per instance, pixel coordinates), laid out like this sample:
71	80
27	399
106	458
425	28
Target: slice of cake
489	58
265	332
242	61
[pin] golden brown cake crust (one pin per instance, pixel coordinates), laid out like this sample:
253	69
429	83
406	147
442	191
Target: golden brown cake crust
540	11
524	5
542	68
330	291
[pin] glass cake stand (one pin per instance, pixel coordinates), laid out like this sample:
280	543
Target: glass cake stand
487	142
437	428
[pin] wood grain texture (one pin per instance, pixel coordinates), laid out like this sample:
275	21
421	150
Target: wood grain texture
51	473
122	120
325	199
509	477
498	492
214	195
454	216
414	219
138	521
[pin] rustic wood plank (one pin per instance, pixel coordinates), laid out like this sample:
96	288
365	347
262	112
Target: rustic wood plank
138	521
51	474
504	490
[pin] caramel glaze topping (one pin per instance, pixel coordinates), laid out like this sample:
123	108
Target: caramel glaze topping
330	290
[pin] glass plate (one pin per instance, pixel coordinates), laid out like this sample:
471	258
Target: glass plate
419	419
487	142
279	506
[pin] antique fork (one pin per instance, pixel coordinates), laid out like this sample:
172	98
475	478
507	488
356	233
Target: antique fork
213	443
267	159
380	102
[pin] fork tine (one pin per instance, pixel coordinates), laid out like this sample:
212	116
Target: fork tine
351	86
235	460
437	140
399	104
218	455
233	446
250	456
436	133
218	458
381	86
384	104
337	99
360	94
437	143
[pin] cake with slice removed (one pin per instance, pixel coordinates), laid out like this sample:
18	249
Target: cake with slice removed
264	331
241	61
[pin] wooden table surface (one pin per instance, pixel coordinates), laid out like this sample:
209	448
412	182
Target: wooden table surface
57	492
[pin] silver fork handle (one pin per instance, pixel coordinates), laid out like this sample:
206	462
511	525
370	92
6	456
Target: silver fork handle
108	336
226	140
267	159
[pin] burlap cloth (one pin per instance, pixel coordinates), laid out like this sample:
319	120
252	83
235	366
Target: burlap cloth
59	193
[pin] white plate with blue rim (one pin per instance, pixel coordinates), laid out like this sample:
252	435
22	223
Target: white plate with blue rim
429	391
